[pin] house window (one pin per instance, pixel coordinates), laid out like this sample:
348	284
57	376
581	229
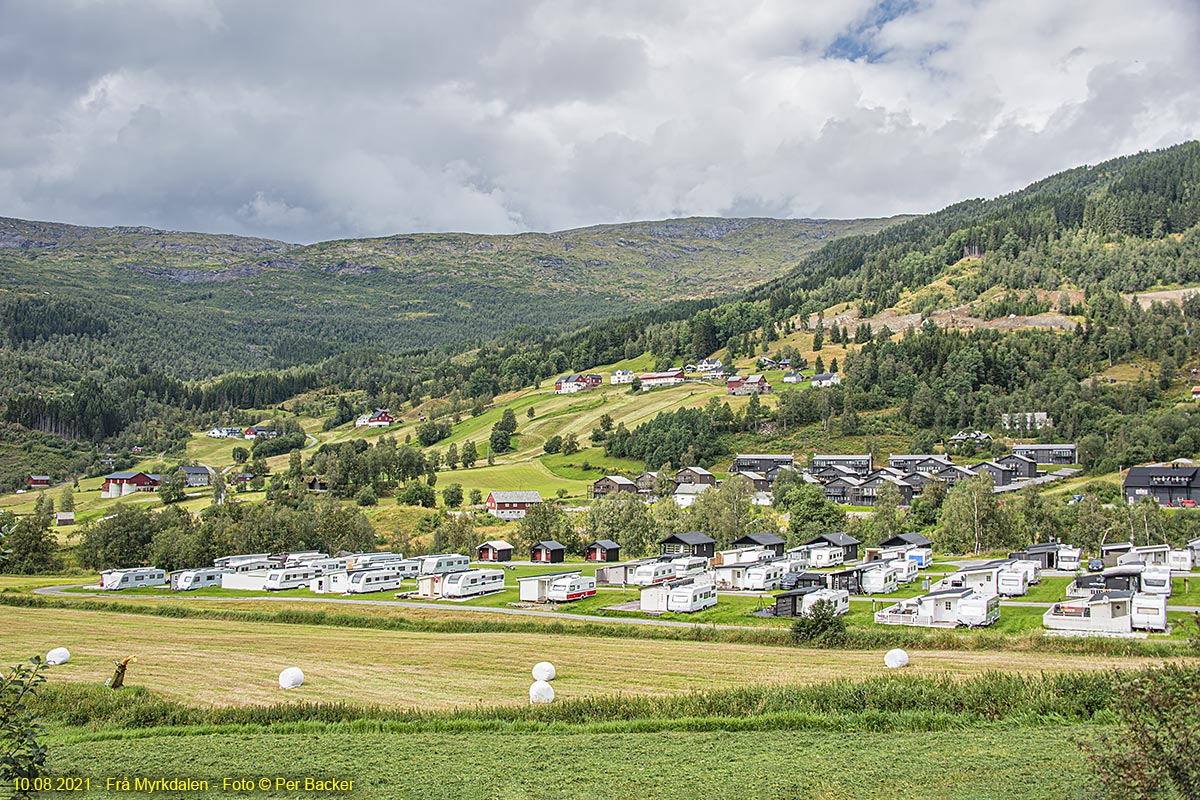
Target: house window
948	605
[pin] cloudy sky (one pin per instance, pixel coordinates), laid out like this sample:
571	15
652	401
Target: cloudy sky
314	120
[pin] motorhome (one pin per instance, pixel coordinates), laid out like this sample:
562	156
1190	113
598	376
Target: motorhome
651	573
188	579
692	597
381	579
826	557
472	582
115	579
287	578
444	563
571	587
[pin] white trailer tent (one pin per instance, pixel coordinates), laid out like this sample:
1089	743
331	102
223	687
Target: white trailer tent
536	588
1149	612
1104	613
116	579
947	608
691	597
472	582
879	578
364	581
569	588
252	580
444	563
839	599
186	580
1181	560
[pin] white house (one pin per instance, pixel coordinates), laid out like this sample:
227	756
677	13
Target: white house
825	379
621	376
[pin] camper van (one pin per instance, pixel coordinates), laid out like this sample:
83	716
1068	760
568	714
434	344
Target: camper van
114	579
652	573
472	582
838	598
188	579
571	587
364	581
692	597
764	577
278	580
444	563
826	557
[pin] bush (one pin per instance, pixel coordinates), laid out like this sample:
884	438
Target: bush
366	497
820	625
553	445
416	493
21	756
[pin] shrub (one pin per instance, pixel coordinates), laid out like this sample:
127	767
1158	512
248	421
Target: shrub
366	497
820	625
21	756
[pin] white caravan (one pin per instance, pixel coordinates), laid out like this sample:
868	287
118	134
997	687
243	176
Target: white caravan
826	557
690	565
1012	582
692	597
880	580
1149	612
838	598
1157	580
278	580
444	563
652	573
472	582
364	581
114	579
571	587
764	577
187	579
1069	558
907	570
303	558
1181	560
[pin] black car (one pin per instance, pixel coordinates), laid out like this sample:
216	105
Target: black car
1095	564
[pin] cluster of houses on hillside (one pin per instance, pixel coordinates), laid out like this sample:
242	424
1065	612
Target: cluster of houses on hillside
1175	484
379	418
570	384
120	484
686	484
251	433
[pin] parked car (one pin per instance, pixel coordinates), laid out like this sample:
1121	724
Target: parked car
1188	503
1077	498
1095	565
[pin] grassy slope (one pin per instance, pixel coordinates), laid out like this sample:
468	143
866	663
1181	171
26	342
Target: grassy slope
948	765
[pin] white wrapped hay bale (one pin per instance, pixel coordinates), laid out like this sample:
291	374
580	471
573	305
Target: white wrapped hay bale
543	671
895	659
290	678
59	655
541	692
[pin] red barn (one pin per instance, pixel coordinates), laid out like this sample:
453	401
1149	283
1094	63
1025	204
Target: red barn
119	484
38	482
511	505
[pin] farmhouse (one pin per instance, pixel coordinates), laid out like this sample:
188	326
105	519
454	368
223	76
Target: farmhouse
792	377
605	550
256	431
826	379
847	543
494	550
119	484
38	482
64	518
858	464
621	376
225	433
379	418
690	544
761	462
611	484
752	384
949	608
511	505
197	476
569	384
709	365
1047	453
548	552
1169	484
650	380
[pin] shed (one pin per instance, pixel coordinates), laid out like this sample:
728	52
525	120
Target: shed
691	544
548	552
603	550
791	603
494	550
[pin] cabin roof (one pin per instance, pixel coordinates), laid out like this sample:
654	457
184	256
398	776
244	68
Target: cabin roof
764	539
549	544
607	544
691	538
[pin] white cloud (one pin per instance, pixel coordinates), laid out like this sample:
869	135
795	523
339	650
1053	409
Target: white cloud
308	120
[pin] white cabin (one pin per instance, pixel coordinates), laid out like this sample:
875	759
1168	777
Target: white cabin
115	579
692	597
364	581
188	579
571	587
1100	614
444	563
472	582
536	588
947	608
651	573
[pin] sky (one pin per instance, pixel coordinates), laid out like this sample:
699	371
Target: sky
307	121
